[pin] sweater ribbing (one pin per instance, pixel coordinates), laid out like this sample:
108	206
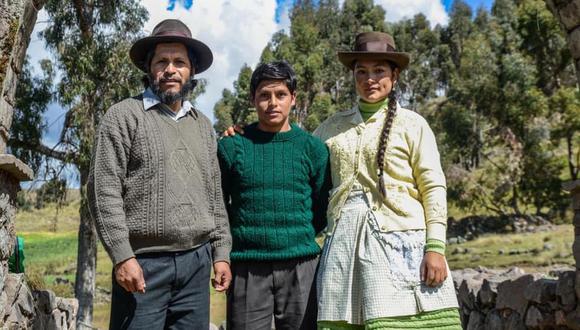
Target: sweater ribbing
277	187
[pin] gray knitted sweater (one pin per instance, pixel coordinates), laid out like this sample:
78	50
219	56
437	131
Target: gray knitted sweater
154	183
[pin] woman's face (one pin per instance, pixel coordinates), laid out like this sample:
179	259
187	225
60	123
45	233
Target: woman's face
374	79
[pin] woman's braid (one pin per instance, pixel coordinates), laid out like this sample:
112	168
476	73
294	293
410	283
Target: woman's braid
384	138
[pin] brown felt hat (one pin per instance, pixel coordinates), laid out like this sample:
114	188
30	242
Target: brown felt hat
168	31
374	46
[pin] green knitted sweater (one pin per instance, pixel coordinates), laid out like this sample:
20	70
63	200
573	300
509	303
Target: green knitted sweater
276	191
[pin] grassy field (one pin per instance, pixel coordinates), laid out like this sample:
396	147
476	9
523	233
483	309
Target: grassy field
51	255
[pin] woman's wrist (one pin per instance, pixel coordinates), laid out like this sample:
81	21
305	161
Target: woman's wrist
435	245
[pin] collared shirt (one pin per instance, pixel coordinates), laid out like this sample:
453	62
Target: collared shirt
413	178
150	100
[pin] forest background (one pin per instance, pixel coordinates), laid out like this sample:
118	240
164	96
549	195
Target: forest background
498	87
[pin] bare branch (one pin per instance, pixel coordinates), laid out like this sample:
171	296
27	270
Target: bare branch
63	156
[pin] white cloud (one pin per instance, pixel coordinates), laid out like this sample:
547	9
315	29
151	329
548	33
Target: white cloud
397	10
236	31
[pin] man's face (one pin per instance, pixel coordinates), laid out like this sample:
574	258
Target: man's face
170	71
273	102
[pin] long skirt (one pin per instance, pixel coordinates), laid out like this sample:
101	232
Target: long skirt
371	277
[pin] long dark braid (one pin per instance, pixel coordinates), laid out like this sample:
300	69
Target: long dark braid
384	138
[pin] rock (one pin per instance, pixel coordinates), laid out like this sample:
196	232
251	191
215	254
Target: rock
457	250
493	320
548	247
452	240
566	290
514	252
25	302
501	252
476	321
541	291
511	293
69	307
573	320
45	300
560	318
6	241
535	319
475	257
515	322
488	292
574	42
468	291
12	287
557	272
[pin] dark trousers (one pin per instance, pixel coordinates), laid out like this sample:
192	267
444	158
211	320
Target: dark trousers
285	290
176	296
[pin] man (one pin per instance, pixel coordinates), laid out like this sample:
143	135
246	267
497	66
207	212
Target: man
276	179
155	191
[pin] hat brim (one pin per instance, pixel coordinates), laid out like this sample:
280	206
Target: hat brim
202	53
401	59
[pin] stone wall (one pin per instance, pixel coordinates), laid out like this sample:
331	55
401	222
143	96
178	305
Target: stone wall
38	310
512	299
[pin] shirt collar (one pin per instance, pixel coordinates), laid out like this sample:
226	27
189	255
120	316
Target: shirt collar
150	100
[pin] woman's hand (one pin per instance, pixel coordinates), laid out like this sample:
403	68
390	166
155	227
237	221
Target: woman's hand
433	269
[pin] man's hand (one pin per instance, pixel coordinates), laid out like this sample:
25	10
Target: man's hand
129	275
222	276
232	130
433	269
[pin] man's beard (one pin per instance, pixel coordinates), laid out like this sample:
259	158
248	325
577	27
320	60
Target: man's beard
168	97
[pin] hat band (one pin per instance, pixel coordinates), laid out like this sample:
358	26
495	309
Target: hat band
375	46
172	34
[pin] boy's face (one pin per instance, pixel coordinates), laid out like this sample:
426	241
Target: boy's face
273	102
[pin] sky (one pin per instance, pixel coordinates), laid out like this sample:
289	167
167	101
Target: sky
236	31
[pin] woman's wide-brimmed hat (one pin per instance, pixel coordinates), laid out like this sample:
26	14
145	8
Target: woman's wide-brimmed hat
169	31
374	46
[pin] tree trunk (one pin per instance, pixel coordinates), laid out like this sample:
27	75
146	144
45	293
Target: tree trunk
17	19
86	259
568	14
573	168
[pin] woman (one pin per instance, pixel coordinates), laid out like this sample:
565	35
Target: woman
383	263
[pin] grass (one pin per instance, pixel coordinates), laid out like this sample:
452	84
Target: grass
525	250
51	255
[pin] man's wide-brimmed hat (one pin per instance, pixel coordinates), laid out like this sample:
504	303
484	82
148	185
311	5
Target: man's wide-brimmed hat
169	31
374	46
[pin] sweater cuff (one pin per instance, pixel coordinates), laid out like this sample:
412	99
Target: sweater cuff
435	245
437	231
120	252
220	253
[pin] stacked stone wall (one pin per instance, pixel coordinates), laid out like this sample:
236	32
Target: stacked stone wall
511	299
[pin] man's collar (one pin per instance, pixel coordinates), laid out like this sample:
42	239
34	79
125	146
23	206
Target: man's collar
150	100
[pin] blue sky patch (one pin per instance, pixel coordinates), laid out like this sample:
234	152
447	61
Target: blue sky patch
185	3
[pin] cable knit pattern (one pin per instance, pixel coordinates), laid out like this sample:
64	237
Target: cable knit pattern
154	183
277	187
